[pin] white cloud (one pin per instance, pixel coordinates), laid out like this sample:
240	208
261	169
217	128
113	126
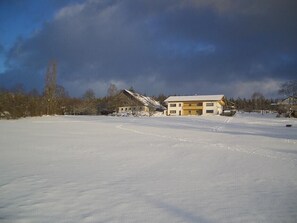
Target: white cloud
268	87
70	10
251	7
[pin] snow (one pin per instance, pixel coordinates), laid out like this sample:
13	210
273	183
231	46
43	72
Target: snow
195	98
148	169
145	100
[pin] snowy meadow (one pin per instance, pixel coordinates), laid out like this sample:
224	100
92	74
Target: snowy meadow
148	169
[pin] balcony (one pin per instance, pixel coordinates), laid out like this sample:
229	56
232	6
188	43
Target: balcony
192	107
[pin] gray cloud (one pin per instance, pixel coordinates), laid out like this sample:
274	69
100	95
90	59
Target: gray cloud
181	47
1	48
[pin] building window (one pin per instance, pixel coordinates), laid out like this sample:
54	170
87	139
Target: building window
209	104
172	105
190	112
172	112
190	105
122	109
199	104
209	111
130	109
125	109
179	105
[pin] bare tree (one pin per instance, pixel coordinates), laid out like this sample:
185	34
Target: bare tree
50	88
88	106
61	92
258	101
112	90
89	95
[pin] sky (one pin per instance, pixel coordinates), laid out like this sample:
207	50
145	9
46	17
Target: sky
171	47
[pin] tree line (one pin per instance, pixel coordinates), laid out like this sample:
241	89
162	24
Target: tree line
16	102
54	100
257	102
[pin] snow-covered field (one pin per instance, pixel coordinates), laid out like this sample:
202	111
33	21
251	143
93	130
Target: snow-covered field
158	169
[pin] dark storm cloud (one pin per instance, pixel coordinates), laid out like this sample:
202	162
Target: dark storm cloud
166	46
242	40
1	48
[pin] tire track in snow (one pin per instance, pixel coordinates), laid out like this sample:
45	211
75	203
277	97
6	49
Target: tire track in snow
219	128
227	120
151	134
255	152
248	151
290	141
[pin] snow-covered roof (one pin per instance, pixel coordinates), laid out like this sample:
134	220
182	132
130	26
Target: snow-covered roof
145	100
195	98
289	101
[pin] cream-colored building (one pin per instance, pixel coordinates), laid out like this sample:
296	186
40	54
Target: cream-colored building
136	104
195	105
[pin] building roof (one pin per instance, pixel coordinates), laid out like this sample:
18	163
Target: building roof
145	100
289	101
195	98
